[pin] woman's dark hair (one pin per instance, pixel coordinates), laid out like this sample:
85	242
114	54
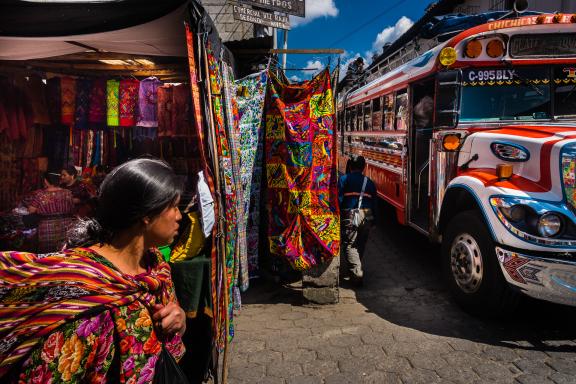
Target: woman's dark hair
71	170
52	178
136	189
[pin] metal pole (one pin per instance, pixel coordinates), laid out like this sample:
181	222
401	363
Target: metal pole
285	46
275	38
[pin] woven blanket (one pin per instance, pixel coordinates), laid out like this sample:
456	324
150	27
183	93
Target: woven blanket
128	101
68	99
302	204
148	102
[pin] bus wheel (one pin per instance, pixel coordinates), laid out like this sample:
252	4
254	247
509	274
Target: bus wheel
471	268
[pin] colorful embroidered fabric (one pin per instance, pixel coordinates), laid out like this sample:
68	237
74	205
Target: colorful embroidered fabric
148	102
303	214
97	110
128	101
229	188
164	95
112	102
68	99
76	311
83	89
250	93
233	132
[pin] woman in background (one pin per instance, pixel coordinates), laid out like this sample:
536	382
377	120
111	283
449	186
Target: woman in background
103	310
55	208
81	191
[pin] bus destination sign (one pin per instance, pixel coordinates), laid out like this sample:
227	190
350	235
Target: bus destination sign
257	16
292	7
538	45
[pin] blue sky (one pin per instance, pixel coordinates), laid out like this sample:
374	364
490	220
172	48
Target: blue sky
360	27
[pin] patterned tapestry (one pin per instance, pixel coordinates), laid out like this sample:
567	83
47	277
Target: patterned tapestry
233	133
250	94
302	203
228	186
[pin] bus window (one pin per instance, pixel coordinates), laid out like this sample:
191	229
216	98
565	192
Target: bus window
388	120
359	118
564	93
352	118
367	116
376	114
402	110
347	120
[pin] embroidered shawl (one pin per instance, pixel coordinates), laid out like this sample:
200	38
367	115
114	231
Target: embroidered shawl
39	293
112	100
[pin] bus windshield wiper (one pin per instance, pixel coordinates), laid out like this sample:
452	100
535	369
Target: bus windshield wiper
524	80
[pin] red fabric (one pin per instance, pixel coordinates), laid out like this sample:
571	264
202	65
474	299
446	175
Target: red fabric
181	110
164	98
128	101
68	99
97	111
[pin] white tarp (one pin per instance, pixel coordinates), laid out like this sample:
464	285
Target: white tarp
161	37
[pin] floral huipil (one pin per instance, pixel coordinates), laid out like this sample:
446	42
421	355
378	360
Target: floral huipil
117	345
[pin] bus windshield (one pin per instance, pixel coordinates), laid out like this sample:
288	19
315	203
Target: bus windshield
506	94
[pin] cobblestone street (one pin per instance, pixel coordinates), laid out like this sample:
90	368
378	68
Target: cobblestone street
401	327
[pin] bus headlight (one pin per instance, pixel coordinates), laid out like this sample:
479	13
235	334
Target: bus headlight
549	224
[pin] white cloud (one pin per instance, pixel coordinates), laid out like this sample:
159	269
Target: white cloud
314	67
391	33
314	10
295	79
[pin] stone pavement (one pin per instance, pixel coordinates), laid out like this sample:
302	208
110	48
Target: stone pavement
401	327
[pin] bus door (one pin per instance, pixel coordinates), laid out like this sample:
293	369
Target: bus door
422	105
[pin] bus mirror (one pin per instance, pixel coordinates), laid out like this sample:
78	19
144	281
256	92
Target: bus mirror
520	5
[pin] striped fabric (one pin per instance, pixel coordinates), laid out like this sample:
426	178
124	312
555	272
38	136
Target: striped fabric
39	293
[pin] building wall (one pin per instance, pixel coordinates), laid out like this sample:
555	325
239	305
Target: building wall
229	29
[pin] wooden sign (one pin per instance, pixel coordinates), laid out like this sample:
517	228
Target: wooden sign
261	17
292	7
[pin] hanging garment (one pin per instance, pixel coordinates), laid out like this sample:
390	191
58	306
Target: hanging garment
303	214
148	102
97	110
128	101
229	188
112	102
164	96
181	110
68	99
54	100
35	91
83	89
250	95
233	132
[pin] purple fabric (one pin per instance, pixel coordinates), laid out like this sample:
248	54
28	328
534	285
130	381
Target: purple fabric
148	102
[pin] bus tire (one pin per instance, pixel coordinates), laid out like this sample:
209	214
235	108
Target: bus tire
471	268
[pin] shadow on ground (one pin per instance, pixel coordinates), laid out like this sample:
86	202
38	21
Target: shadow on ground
403	285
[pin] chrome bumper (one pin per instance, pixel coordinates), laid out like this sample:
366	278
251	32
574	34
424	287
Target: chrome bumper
552	280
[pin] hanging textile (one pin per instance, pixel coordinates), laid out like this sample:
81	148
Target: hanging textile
233	132
228	186
148	103
97	110
68	99
54	100
36	92
304	224
165	127
128	101
181	110
250	94
112	102
83	89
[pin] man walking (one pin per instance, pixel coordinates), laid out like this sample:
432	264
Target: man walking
357	196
